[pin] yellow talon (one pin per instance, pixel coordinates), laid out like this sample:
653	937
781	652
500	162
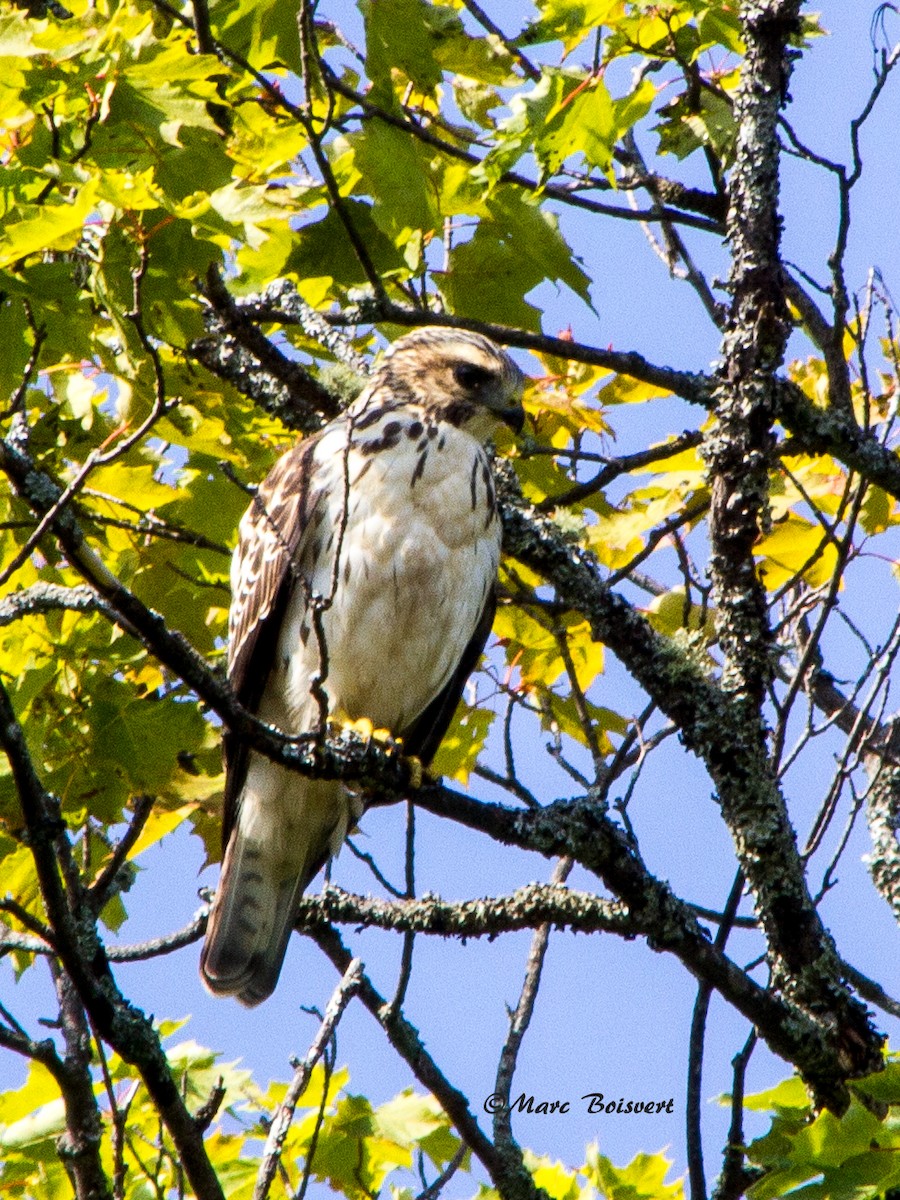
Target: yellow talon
363	728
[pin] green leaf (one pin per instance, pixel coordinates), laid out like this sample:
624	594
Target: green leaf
643	1178
515	249
403	36
569	21
323	250
52	227
402	174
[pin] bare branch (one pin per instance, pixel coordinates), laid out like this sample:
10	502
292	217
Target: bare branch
511	48
519	1022
735	1177
508	1173
104	885
281	1123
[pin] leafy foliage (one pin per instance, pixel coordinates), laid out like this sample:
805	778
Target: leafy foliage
210	219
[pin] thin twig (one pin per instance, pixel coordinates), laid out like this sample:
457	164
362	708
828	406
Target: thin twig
281	1123
519	1022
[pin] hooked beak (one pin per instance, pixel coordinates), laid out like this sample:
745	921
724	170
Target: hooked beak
513	417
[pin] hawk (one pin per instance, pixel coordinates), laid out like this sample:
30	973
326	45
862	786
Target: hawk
362	588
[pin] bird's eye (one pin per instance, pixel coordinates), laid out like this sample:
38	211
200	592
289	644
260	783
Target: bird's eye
471	377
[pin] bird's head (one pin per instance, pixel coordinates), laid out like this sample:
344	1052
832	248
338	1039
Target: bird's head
458	376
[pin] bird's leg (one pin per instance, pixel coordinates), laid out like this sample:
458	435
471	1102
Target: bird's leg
417	772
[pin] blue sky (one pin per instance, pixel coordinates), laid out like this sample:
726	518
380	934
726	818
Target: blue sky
612	1016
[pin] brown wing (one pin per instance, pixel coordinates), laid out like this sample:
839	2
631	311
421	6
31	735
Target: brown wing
263	577
423	737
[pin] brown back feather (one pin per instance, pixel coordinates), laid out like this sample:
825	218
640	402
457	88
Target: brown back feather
267	555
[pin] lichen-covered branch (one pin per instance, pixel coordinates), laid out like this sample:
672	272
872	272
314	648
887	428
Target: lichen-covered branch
883	817
236	349
739	453
578	828
79	1147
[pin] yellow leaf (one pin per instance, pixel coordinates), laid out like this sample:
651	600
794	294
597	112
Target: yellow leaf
623	531
681	470
54	227
80	392
38	1089
625	390
159	823
535	650
463	743
796	548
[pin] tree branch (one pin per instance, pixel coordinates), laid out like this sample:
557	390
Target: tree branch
125	1028
281	1123
577	828
508	1173
802	954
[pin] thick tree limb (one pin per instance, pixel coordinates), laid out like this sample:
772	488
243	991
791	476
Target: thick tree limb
883	818
79	1148
51	597
801	952
534	904
238	350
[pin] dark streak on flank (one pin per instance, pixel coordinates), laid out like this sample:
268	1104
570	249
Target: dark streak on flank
414	430
473	484
420	469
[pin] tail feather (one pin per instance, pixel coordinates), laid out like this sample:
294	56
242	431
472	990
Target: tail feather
250	923
284	833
